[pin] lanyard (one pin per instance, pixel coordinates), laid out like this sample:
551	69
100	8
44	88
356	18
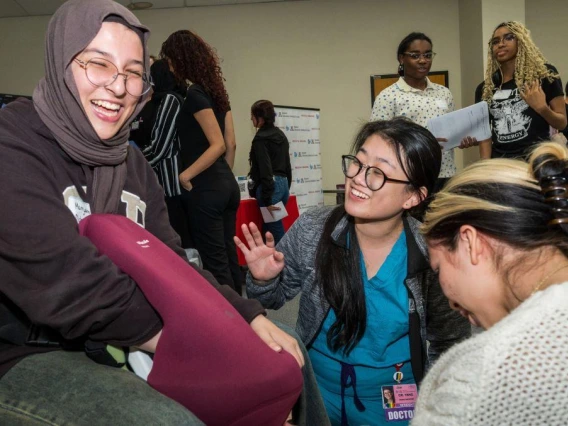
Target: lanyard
398	375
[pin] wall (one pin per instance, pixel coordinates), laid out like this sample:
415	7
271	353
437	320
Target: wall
547	20
472	52
317	53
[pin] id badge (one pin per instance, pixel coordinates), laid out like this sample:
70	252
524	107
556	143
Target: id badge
399	401
499	95
441	103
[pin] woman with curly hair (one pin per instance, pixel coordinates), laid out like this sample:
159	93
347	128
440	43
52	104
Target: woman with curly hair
210	194
524	93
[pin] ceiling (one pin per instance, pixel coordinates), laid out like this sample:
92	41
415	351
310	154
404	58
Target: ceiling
14	8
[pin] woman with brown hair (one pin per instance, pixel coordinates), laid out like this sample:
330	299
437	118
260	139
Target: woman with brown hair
210	194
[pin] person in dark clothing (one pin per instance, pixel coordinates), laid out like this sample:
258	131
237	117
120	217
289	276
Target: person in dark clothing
210	194
154	131
270	168
523	91
65	156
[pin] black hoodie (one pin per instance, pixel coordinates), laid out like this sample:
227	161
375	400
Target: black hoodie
51	275
269	156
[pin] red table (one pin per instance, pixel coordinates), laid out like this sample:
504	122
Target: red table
250	212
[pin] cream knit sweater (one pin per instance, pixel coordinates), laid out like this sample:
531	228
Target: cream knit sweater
515	373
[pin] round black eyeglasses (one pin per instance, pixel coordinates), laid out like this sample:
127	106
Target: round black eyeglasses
375	178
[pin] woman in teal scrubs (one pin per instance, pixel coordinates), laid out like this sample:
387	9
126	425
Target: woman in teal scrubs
370	300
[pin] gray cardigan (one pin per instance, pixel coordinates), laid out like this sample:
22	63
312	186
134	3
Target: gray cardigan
437	323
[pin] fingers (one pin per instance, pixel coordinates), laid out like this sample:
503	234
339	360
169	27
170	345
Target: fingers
530	87
247	235
442	139
273	345
269	240
300	355
291	346
278	256
242	246
256	235
468	142
288	419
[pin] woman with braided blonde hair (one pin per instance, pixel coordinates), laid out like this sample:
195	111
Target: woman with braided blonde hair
497	236
524	93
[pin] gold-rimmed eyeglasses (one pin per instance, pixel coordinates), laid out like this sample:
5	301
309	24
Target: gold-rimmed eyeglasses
102	73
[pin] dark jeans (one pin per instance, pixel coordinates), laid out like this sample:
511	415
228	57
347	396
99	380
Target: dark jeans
211	211
60	387
281	193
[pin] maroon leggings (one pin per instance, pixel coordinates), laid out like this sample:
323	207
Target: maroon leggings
208	358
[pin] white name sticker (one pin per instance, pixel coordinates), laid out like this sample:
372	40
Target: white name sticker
501	94
440	103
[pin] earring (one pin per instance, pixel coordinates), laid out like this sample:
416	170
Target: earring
401	70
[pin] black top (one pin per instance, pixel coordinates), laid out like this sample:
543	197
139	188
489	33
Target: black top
192	138
515	126
269	156
160	139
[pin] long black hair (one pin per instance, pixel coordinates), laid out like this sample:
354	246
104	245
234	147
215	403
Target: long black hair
338	270
164	80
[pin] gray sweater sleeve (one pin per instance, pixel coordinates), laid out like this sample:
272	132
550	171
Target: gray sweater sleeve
299	247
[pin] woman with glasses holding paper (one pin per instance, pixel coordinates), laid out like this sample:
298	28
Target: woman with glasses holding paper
414	96
524	93
369	298
270	169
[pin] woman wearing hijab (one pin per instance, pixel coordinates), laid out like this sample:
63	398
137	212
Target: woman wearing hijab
64	156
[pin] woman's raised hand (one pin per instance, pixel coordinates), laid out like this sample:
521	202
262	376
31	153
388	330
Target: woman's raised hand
534	96
264	262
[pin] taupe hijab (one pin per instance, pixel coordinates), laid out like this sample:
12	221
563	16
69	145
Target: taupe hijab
58	104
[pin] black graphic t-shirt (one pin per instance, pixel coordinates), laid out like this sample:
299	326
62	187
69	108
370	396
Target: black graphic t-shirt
515	126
